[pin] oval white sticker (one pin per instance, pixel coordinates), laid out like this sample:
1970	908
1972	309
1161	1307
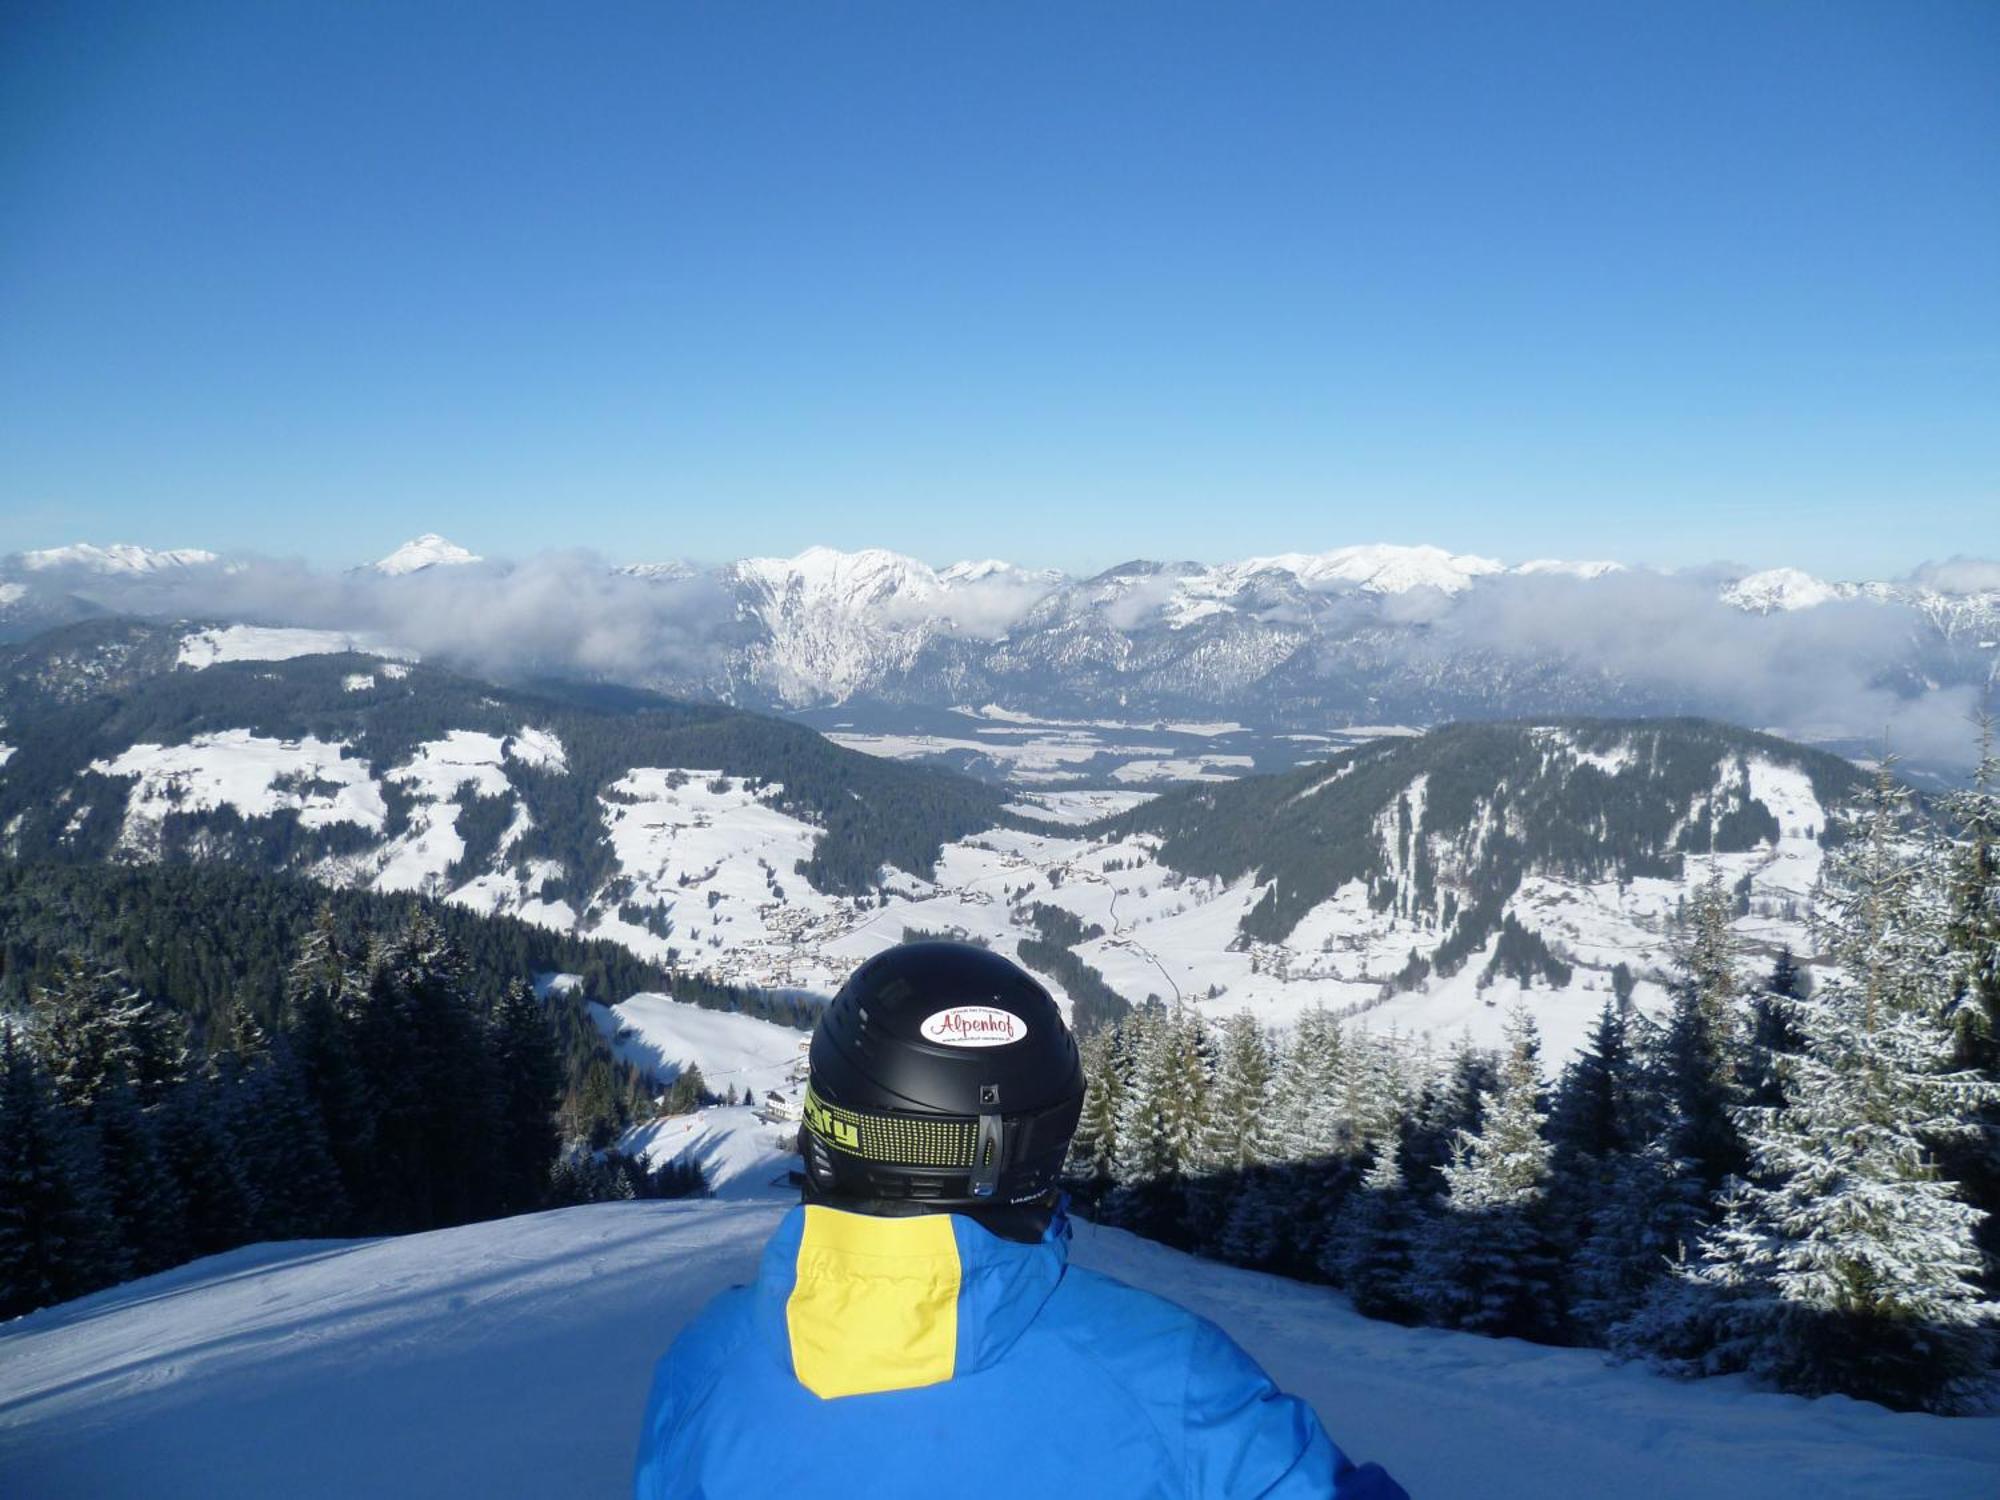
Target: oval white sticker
974	1026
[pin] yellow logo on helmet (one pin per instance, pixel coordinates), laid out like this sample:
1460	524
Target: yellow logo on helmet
821	1122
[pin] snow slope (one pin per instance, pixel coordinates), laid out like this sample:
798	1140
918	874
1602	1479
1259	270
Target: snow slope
512	1359
204	648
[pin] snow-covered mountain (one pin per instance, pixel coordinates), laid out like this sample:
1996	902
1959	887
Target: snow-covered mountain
1419	881
119	558
427	551
512	1358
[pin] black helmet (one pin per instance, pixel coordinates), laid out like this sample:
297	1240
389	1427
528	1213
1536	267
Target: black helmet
941	1073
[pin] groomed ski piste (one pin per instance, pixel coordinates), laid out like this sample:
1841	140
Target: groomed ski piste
512	1359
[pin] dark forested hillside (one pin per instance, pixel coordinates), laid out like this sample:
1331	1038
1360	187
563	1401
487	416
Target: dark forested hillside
1585	799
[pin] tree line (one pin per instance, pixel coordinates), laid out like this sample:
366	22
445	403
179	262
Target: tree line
390	1092
1792	1179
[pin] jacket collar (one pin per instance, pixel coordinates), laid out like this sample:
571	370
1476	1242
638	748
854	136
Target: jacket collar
855	1304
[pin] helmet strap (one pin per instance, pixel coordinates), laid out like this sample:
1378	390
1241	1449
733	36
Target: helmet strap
989	1151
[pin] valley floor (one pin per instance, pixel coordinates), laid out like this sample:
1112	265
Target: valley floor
512	1359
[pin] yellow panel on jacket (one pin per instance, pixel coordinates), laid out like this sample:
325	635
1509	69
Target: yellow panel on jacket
875	1305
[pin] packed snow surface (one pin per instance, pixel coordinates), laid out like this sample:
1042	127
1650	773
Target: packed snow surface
666	1036
513	1359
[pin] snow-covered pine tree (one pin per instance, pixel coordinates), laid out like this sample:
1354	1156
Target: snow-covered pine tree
92	1029
1972	857
1700	1049
1644	1215
1262	1226
1484	1263
1369	1251
111	1055
1372	1091
1093	1152
1452	1102
1234	1136
1970	851
1847	1263
1159	1122
56	1237
1287	1211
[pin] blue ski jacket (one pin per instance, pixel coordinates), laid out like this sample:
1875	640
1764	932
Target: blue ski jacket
926	1357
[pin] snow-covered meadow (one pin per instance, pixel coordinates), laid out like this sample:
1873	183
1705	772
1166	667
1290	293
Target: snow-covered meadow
512	1358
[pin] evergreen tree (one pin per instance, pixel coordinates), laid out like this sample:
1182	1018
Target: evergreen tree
111	1054
94	1031
1451	1104
1093	1151
323	994
1371	1092
531	1080
287	1163
1591	1113
132	1175
1774	1032
218	1205
1697	1059
1848	1263
1160	1121
1370	1252
1234	1135
1644	1215
1971	856
1485	1264
1282	1213
56	1238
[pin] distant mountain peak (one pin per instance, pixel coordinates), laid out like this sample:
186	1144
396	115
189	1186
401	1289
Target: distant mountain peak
427	551
118	558
1780	588
1376	568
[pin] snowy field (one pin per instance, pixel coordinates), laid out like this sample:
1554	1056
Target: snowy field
206	648
1037	754
511	1360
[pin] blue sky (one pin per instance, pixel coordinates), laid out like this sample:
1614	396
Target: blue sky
1065	283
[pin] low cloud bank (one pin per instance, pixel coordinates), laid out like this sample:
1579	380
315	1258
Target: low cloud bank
557	613
1860	669
1865	670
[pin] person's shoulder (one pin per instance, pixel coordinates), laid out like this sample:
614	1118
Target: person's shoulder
1123	1326
1092	1294
710	1339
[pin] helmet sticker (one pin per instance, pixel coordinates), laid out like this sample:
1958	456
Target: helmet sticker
974	1026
